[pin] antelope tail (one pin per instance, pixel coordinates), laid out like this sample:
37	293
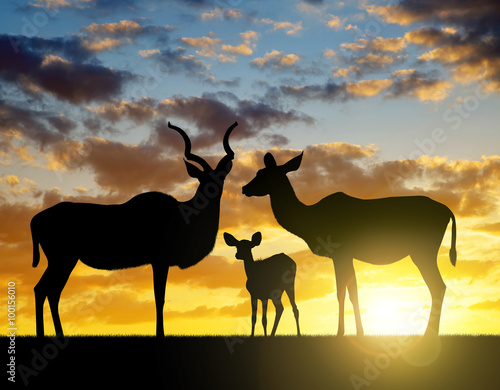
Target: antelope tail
453	250
36	244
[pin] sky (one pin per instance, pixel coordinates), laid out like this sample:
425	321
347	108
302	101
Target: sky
384	98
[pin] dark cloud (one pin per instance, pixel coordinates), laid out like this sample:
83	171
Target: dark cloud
336	92
208	113
32	125
36	64
469	45
477	17
423	86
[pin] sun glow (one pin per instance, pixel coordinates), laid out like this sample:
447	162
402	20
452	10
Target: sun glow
386	316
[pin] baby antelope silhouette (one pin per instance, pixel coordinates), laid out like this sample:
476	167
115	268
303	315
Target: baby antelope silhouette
266	279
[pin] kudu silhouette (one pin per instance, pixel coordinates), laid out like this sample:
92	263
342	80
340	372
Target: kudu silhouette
376	231
266	279
151	228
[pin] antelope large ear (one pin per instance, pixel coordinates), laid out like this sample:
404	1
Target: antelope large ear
193	170
230	240
293	164
269	160
256	238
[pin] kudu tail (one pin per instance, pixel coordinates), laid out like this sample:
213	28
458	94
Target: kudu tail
36	243
453	250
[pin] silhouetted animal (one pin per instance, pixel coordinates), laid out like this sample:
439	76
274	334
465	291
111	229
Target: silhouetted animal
376	231
266	279
151	228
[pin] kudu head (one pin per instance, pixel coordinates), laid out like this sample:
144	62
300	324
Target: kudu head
208	175
272	177
243	247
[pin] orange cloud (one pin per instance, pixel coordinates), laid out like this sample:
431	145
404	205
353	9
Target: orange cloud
368	88
393	45
276	60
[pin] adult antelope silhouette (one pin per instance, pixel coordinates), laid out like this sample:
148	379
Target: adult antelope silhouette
376	231
266	279
151	228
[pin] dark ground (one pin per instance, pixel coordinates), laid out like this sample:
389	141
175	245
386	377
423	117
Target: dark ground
286	362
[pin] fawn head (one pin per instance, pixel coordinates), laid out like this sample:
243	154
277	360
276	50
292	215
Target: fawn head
271	177
208	175
243	247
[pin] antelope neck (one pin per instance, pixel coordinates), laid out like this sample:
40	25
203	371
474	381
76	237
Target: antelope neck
248	262
289	211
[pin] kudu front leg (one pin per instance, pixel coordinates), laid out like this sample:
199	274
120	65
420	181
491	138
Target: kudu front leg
341	281
160	274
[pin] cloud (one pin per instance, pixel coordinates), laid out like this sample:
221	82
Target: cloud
275	60
335	22
138	111
214	48
289	27
28	126
98	45
177	61
469	45
478	16
486	305
33	63
221	14
126	28
246	48
209	113
379	44
416	84
491	228
333	92
424	87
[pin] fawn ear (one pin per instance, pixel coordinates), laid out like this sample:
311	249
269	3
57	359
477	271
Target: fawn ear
293	164
230	240
256	238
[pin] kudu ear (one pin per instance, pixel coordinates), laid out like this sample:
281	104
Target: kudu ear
193	170
230	240
293	164
256	239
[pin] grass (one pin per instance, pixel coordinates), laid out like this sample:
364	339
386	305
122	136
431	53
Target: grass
284	362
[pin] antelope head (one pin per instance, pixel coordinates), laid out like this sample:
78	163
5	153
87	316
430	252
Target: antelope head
243	247
272	177
207	175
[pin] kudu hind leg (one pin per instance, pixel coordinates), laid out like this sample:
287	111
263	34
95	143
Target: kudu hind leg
50	286
40	296
432	277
